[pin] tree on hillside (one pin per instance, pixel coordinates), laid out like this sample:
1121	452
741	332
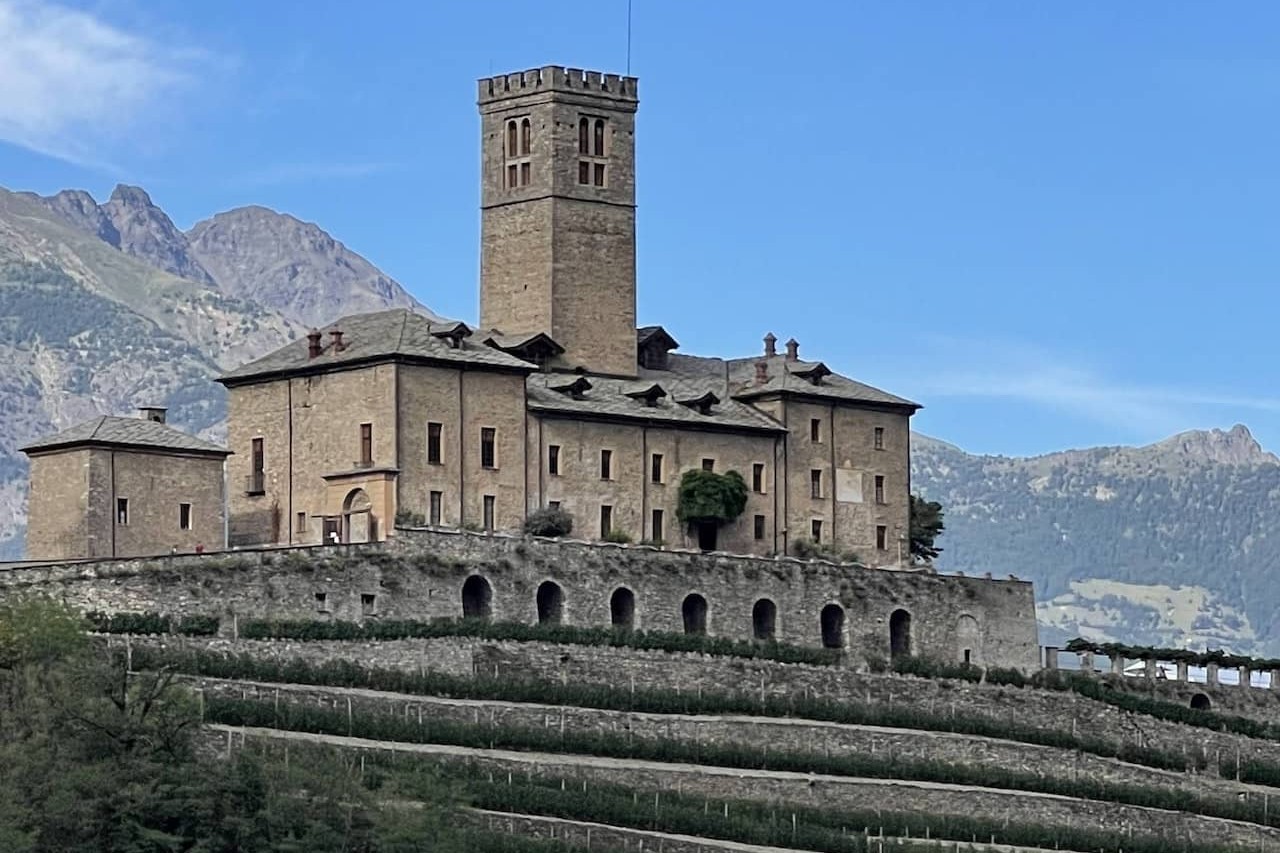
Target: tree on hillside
926	527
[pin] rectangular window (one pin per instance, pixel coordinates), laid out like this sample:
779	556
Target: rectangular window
301	523
815	531
879	438
882	537
815	483
435	438
815	429
490	502
366	444
435	505
368	604
257	478
524	174
759	527
655	468
606	464
322	602
879	488
584	172
488	454
184	516
122	510
553	504
606	520
655	527
553	460
599	176
757	477
513	177
968	656
708	464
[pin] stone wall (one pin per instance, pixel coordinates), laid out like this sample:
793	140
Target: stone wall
421	575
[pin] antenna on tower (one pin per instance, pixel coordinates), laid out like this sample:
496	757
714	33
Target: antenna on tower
628	38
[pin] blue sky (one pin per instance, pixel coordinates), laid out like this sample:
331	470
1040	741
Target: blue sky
1055	225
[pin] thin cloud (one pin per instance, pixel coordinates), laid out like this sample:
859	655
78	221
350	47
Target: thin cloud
1015	372
71	84
293	173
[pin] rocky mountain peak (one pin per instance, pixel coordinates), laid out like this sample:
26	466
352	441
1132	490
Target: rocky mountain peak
1235	446
130	196
78	209
147	232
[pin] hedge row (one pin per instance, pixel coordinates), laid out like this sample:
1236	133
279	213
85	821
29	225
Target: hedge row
309	629
392	727
340	673
152	623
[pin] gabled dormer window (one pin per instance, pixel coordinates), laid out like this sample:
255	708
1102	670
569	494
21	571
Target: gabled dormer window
576	389
701	404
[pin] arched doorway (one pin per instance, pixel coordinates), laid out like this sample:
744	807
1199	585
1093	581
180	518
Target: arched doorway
694	611
622	608
1200	702
968	640
357	517
832	620
900	634
550	603
764	619
477	598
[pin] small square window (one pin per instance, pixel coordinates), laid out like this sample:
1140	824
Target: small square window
606	464
553	460
968	656
759	527
815	429
882	537
184	516
435	433
368	604
488	452
757	477
553	504
815	531
815	483
879	438
708	464
122	511
322	602
655	468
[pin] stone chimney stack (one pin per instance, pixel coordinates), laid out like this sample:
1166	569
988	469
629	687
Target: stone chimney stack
336	336
313	344
770	345
793	350
762	372
155	414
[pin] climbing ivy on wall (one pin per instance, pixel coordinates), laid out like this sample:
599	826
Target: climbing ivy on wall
708	496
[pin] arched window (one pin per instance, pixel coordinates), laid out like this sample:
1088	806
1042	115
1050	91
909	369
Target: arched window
968	640
622	608
584	136
764	619
599	138
477	598
511	139
526	136
550	603
900	634
832	620
694	611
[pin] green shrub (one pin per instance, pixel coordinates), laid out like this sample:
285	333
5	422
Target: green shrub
706	496
620	537
152	623
549	521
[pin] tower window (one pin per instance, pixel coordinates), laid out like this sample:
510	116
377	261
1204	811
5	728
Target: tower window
879	438
526	134
606	464
655	471
519	145
122	510
759	527
599	175
882	537
879	489
757	477
512	151
184	516
434	433
655	526
815	531
815	429
513	176
553	460
584	135
815	483
606	520
301	523
488	453
436	499
599	138
366	444
708	464
584	172
490	502
525	173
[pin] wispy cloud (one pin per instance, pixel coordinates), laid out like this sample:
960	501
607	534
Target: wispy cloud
72	84
293	173
1002	370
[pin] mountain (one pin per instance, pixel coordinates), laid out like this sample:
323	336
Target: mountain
106	307
1170	544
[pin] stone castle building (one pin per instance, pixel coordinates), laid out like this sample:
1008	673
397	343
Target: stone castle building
122	487
557	398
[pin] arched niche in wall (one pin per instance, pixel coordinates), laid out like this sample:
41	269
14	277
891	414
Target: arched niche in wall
477	598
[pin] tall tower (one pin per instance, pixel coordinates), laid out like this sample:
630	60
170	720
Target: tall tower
558	218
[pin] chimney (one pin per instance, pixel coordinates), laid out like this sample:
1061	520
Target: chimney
793	350
762	372
770	345
313	343
155	414
336	336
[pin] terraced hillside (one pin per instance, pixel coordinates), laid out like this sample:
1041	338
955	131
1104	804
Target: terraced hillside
617	747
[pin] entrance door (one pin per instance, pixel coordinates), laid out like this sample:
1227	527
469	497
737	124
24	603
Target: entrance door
707	531
332	530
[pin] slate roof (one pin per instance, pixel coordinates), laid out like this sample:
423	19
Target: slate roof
737	378
398	332
125	432
608	398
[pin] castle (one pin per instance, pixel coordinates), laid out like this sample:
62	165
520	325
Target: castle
555	399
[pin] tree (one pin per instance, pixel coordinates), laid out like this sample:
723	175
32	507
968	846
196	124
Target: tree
706	496
926	526
549	521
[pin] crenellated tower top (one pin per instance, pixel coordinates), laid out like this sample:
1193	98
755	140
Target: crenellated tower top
555	78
